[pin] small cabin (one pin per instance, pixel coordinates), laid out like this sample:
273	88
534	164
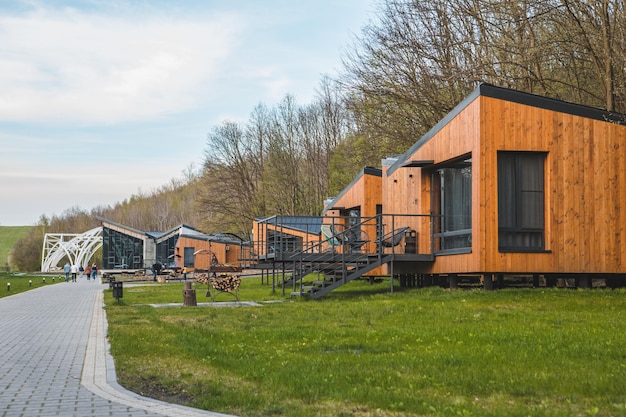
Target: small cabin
277	236
203	251
516	184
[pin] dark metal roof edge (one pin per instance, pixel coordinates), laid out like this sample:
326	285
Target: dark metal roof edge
376	172
212	238
553	104
103	220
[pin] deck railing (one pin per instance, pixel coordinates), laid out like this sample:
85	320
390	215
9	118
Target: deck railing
279	238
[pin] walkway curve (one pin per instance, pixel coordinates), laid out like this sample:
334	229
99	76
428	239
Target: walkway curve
55	360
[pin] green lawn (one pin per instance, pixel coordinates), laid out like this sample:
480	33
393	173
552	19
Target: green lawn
8	236
365	352
22	282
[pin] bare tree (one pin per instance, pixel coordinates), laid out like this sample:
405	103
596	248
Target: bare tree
227	195
422	57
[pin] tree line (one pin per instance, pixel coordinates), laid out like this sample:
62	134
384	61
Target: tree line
410	65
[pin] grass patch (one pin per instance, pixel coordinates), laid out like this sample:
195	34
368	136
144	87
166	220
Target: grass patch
365	352
23	282
8	236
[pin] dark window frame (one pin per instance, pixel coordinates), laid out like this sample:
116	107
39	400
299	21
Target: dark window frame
453	237
188	256
521	201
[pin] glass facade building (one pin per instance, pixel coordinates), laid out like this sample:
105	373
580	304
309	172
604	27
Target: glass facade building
121	251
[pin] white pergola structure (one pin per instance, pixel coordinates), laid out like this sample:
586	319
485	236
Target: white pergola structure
77	247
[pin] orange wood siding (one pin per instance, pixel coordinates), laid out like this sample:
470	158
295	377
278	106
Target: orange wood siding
366	194
583	184
226	253
407	190
260	235
585	187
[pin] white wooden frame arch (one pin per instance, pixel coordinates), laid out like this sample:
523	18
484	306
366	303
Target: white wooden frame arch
79	248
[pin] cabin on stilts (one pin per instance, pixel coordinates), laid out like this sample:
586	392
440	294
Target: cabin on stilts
509	185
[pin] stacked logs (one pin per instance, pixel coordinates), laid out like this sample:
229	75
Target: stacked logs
223	282
226	282
202	278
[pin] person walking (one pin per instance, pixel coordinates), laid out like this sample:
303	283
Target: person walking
66	269
88	273
94	271
74	270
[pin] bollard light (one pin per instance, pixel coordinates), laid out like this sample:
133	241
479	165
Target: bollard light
44	280
30	282
52	279
8	286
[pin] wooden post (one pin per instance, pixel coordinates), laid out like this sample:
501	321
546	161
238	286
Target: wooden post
189	296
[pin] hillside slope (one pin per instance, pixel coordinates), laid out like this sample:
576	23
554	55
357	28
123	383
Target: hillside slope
8	236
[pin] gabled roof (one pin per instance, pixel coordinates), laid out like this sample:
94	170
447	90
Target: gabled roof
514	96
180	230
131	230
226	238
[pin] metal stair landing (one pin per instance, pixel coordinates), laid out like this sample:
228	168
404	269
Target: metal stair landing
333	273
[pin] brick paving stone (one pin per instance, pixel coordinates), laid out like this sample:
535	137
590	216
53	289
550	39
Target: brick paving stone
54	358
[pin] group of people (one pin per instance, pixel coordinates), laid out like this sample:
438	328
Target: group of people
91	272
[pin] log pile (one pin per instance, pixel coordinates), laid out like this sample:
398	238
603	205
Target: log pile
223	282
202	278
226	282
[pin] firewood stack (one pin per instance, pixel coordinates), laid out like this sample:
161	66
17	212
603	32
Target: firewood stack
202	278
225	282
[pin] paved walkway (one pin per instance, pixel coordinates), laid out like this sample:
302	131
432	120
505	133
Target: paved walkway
54	358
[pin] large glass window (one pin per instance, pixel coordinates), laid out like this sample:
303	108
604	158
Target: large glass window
521	201
120	251
454	206
188	259
166	251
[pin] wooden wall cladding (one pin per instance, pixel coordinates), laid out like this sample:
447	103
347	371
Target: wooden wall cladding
585	185
407	190
202	260
366	194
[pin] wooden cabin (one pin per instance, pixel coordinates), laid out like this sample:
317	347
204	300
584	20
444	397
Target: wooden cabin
276	235
516	184
356	209
125	248
196	251
508	184
359	201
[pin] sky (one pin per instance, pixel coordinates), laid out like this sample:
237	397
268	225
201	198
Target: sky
104	99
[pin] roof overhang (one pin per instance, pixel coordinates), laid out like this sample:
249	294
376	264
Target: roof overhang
418	164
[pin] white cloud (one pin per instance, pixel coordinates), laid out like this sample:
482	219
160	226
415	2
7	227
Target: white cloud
105	69
102	98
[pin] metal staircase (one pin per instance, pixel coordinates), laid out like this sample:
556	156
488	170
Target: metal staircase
338	255
316	275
